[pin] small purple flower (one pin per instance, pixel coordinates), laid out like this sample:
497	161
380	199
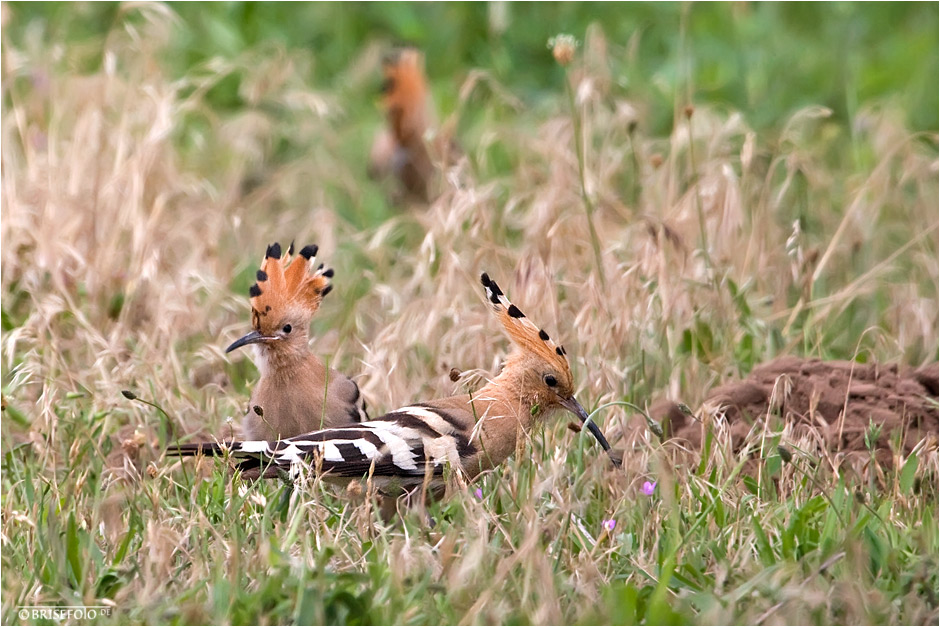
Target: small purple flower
648	488
479	493
609	525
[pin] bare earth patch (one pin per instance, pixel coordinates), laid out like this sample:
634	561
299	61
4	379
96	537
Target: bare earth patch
838	399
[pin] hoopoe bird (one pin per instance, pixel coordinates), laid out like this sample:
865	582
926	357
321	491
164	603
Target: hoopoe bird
401	148
296	392
414	444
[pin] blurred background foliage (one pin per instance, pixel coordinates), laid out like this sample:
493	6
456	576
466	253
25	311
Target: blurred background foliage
764	59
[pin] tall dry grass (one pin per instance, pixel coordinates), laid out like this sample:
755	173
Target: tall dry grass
133	214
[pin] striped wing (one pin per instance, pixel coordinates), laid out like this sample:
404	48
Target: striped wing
408	442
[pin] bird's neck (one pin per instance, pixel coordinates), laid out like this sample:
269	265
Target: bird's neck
286	363
505	413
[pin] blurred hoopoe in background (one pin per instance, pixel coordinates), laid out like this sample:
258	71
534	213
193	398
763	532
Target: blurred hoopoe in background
413	444
296	392
403	148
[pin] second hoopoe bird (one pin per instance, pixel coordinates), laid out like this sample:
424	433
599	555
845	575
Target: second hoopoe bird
409	147
470	432
296	393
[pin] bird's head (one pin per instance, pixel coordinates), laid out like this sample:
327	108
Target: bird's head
284	300
539	365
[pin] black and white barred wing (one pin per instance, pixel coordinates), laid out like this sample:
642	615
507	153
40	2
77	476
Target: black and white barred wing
410	442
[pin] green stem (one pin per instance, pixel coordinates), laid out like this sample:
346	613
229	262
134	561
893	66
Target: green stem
652	424
588	203
168	426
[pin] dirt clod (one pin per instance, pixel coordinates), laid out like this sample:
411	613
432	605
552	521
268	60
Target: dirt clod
839	399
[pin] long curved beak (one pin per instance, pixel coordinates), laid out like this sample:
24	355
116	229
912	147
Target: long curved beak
252	338
572	405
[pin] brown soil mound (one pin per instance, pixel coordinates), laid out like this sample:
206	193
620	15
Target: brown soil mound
837	398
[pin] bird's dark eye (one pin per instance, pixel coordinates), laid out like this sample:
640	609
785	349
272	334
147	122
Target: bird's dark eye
287	328
550	381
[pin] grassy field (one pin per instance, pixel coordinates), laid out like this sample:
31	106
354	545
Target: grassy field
763	180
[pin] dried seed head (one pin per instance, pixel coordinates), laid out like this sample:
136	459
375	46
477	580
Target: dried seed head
655	427
747	150
689	110
656	160
354	489
454	375
129	395
134	442
563	48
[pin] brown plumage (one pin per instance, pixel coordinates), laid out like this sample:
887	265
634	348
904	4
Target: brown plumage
296	392
471	432
401	149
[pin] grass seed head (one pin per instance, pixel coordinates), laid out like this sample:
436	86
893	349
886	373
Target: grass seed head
563	48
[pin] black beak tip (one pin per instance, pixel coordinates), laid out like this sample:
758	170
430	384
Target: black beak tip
575	407
616	457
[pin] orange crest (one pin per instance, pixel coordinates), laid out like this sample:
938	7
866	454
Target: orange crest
523	331
285	286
